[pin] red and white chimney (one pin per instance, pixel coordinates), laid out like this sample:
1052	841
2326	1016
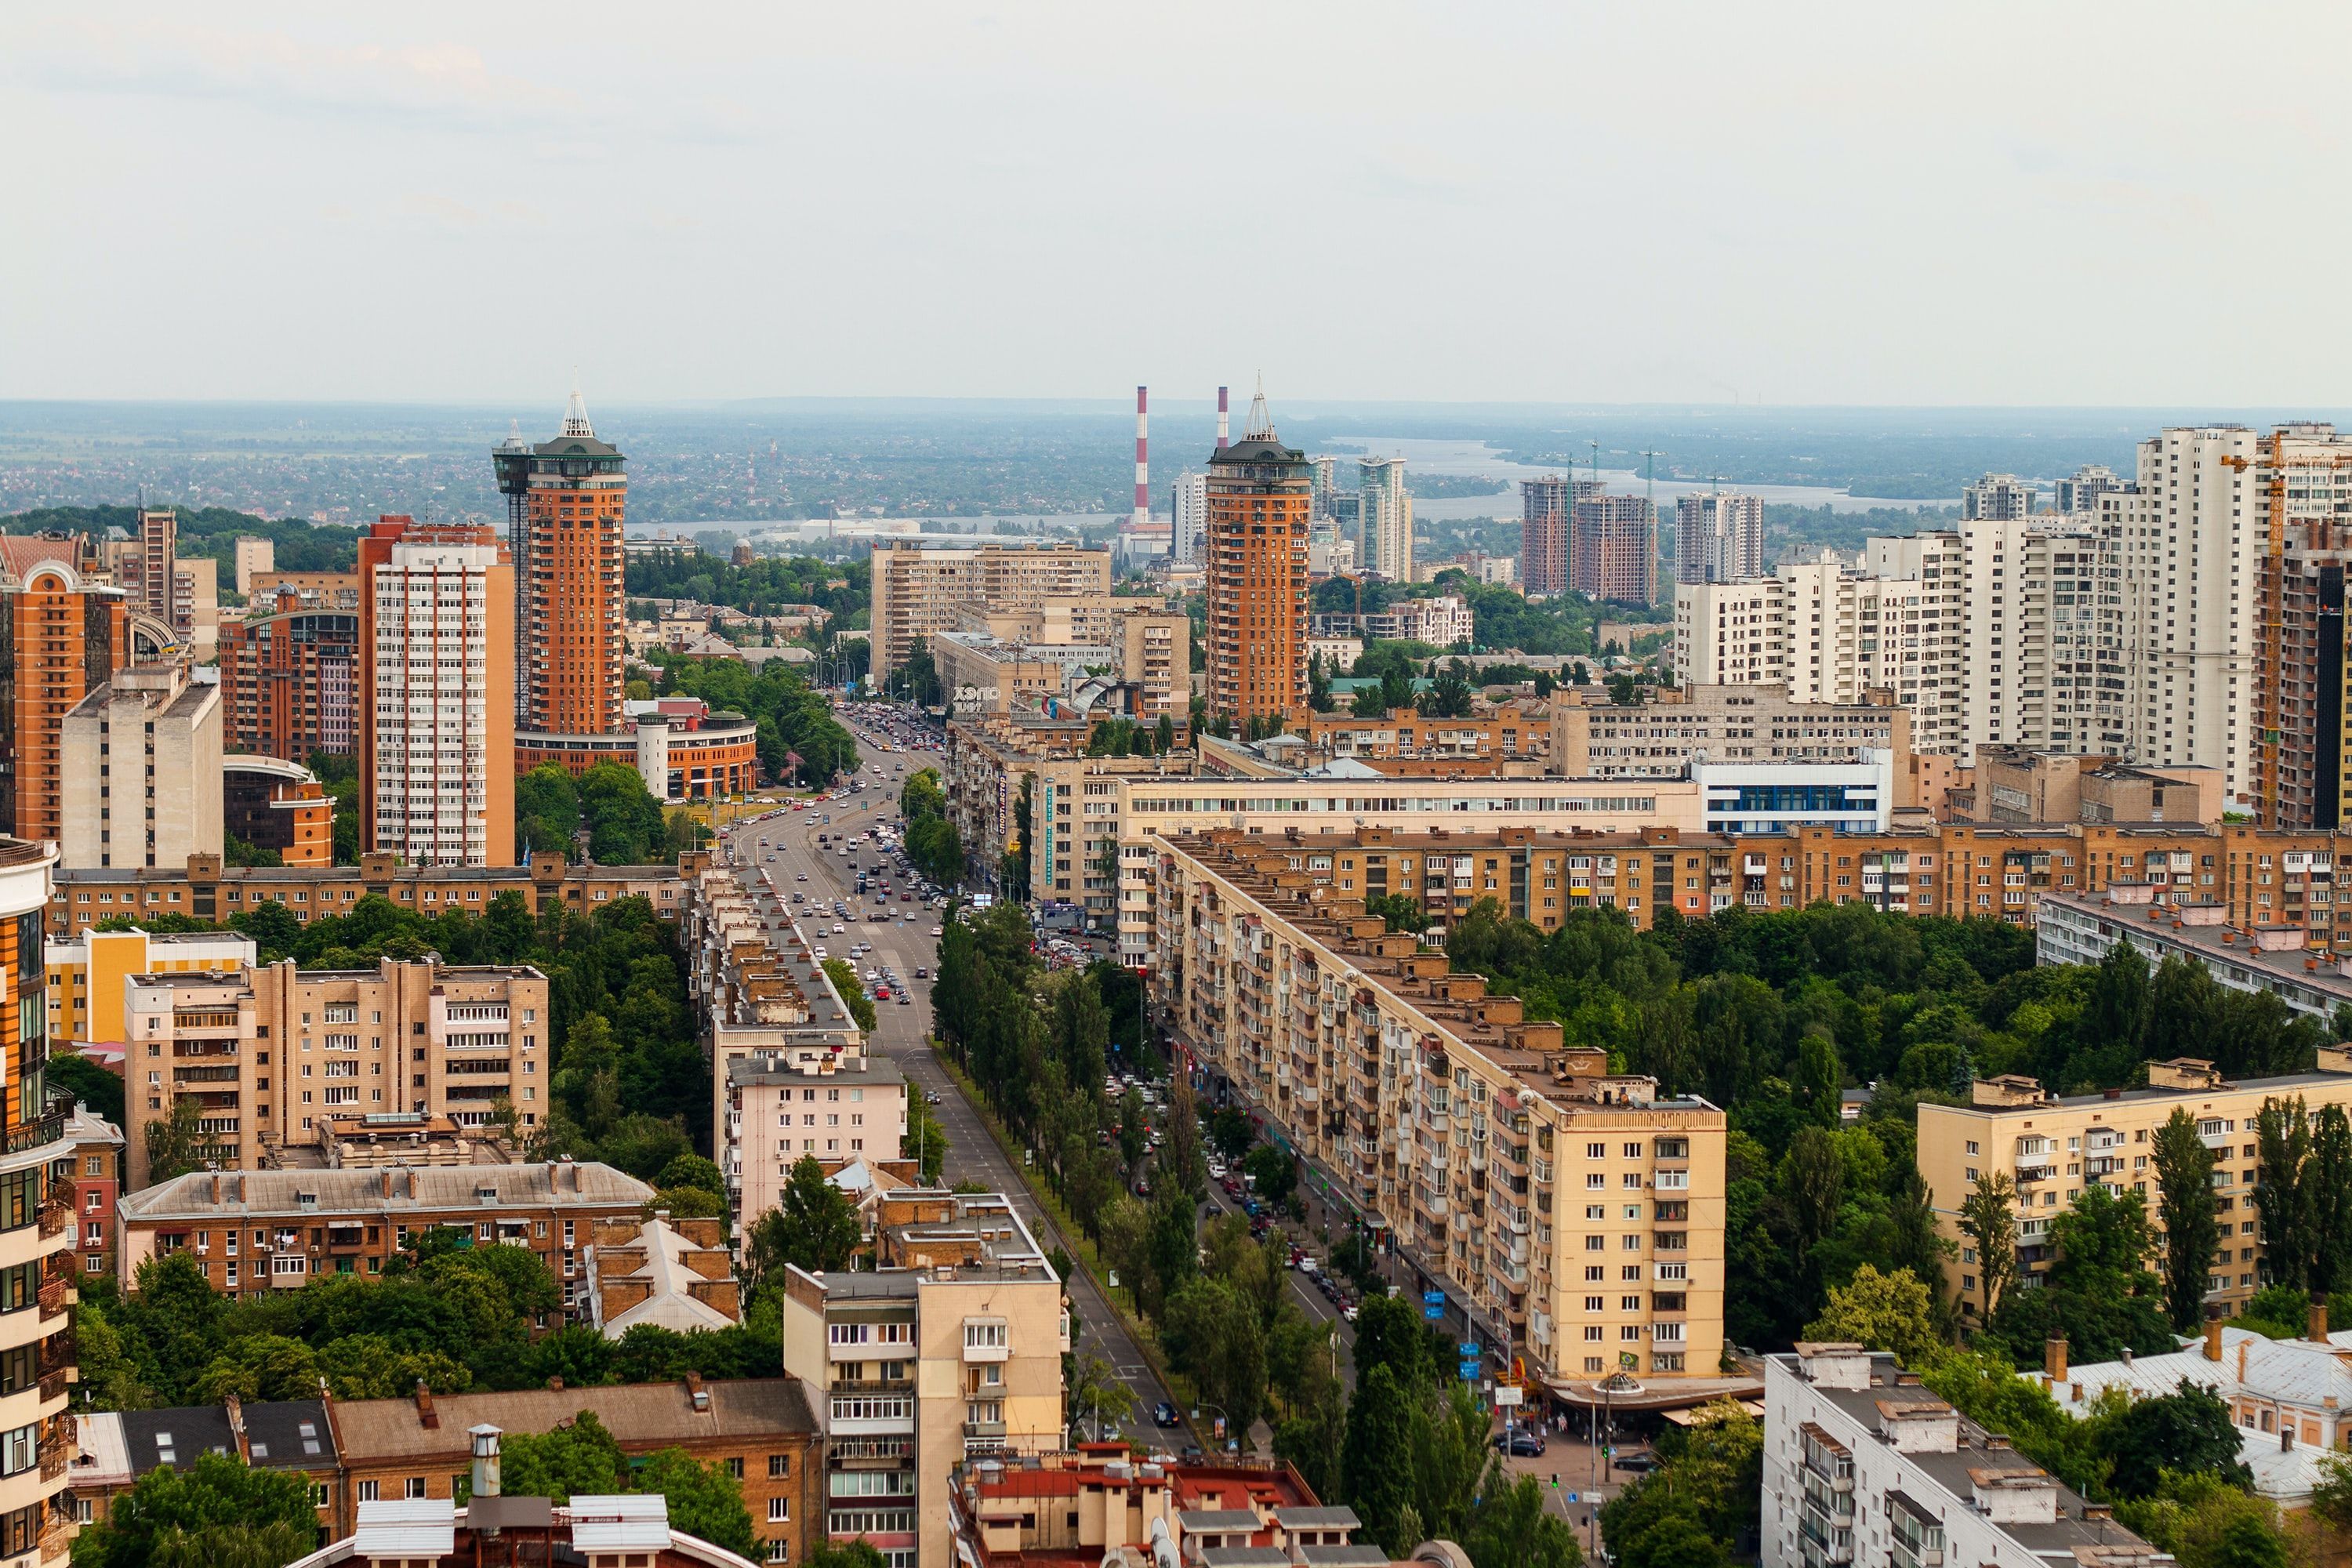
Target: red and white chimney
1221	419
1142	458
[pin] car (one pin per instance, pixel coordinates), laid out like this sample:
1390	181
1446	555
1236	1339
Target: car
1348	1312
905	1000
930	1097
1641	1462
1520	1444
1164	1414
840	930
922	971
938	930
801	877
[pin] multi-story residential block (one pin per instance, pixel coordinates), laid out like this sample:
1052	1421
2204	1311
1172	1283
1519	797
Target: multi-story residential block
759	1430
1385	517
144	753
1863	1464
252	556
2272	958
1097	1502
2018	785
2078	494
85	975
562	610
437	727
676	1273
272	1052
1189	515
1997	497
92	1167
918	589
2031	634
1829	634
250	1232
1567	1215
2052	1146
68	630
800	1103
36	1264
1132	655
311	590
209	890
951	1348
1612	548
113	1448
1443	620
1718	538
1545	507
288	676
682	749
276	806
1729	723
1510	730
1259	494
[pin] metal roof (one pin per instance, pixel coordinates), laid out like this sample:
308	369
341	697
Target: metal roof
633	1521
407	1527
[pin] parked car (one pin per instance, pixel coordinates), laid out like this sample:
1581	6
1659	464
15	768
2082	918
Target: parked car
1641	1463
1521	1445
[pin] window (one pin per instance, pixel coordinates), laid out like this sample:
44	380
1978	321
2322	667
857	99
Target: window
368	1492
780	1511
779	1466
414	1486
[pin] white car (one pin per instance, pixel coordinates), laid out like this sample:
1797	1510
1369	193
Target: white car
938	930
840	930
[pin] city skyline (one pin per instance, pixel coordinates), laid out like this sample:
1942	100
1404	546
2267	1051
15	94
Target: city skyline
782	208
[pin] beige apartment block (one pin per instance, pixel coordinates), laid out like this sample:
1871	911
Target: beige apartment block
2052	1146
1727	724
1574	1217
143	770
917	590
949	1349
272	1054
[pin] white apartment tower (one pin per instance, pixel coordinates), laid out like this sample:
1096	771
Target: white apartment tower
2079	492
1387	519
437	766
1997	497
2032	634
1718	538
1189	513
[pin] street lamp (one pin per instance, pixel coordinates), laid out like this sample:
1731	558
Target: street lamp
1223	1419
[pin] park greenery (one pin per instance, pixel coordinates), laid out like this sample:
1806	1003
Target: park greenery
932	842
768	585
210	533
799	740
219	1513
608	806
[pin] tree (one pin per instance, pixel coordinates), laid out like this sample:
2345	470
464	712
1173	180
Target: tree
814	1228
1388	1334
1094	1392
1883	1312
1401	912
1180	1162
844	976
2188	1431
1989	1219
2184	1175
178	1143
859	1554
1276	1174
1376	1459
926	1141
87	1083
1819	1083
705	1501
1514	1528
218	1513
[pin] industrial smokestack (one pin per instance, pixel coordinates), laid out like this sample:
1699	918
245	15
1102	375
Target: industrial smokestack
1142	457
1221	419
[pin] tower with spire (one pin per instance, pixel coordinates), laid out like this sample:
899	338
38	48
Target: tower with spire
1260	493
566	499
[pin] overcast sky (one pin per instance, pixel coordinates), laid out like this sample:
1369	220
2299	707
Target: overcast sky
1864	203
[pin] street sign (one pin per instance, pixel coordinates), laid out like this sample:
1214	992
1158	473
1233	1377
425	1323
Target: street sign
1432	1313
1433	1298
1506	1397
1470	1351
1469	1370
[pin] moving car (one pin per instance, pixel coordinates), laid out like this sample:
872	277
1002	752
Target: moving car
1164	1414
1520	1444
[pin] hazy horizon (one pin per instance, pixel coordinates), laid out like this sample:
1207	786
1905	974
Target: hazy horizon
1796	207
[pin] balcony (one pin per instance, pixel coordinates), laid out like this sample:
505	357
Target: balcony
984	1429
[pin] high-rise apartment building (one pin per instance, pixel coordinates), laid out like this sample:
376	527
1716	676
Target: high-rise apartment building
1189	517
436	708
565	501
1833	634
2031	631
67	631
1718	538
2079	492
1997	497
1259	494
401	1038
288	678
1386	518
920	591
36	1189
144	755
1612	548
1546	506
159	541
1327	475
254	555
1578	1217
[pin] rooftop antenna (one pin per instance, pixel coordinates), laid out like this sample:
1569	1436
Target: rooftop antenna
575	412
1596	465
1261	422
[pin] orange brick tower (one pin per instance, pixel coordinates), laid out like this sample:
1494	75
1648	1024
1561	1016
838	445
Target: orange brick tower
1259	494
566	499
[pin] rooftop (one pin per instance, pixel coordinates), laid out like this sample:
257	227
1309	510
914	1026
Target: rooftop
639	1415
212	1194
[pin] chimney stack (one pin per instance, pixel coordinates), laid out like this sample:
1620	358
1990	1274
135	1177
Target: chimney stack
486	1459
1142	457
425	1414
1221	419
2054	1361
2213	1339
2316	1327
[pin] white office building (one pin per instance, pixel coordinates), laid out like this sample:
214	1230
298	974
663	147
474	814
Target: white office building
1386	518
